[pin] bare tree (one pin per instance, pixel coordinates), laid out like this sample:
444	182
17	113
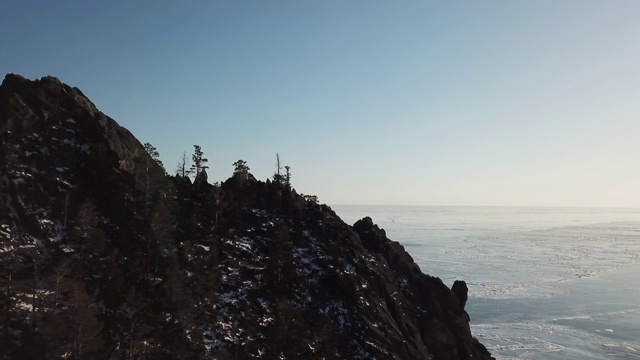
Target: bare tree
277	177
184	168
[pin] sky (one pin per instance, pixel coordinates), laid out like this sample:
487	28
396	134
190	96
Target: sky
475	103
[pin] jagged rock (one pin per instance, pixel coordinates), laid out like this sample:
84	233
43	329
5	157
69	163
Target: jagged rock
201	177
460	289
151	267
444	327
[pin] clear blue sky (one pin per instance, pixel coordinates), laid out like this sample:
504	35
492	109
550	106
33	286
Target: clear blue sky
369	102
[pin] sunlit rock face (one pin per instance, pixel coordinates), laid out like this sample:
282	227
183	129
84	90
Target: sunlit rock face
104	256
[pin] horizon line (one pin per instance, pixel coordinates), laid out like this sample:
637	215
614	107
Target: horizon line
495	206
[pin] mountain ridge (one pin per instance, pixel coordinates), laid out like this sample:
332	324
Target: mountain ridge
104	255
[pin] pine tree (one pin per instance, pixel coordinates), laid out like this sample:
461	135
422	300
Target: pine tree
149	178
9	262
287	334
17	259
154	154
159	240
155	188
3	194
198	160
282	271
83	229
133	311
73	330
241	169
287	176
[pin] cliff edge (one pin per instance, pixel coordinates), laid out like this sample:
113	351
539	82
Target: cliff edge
105	256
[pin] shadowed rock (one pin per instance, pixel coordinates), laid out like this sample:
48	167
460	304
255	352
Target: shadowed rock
460	289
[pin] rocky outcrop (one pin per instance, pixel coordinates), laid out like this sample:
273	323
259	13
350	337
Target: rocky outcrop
105	257
460	289
422	302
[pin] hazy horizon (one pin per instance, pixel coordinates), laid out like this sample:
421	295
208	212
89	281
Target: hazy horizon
487	206
466	103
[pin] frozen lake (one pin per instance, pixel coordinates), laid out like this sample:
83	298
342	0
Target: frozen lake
544	283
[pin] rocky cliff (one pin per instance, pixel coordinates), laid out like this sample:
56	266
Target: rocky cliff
105	256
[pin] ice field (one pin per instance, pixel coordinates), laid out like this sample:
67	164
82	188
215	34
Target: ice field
544	283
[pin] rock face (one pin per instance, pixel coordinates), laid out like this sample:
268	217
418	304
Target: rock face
460	289
104	256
